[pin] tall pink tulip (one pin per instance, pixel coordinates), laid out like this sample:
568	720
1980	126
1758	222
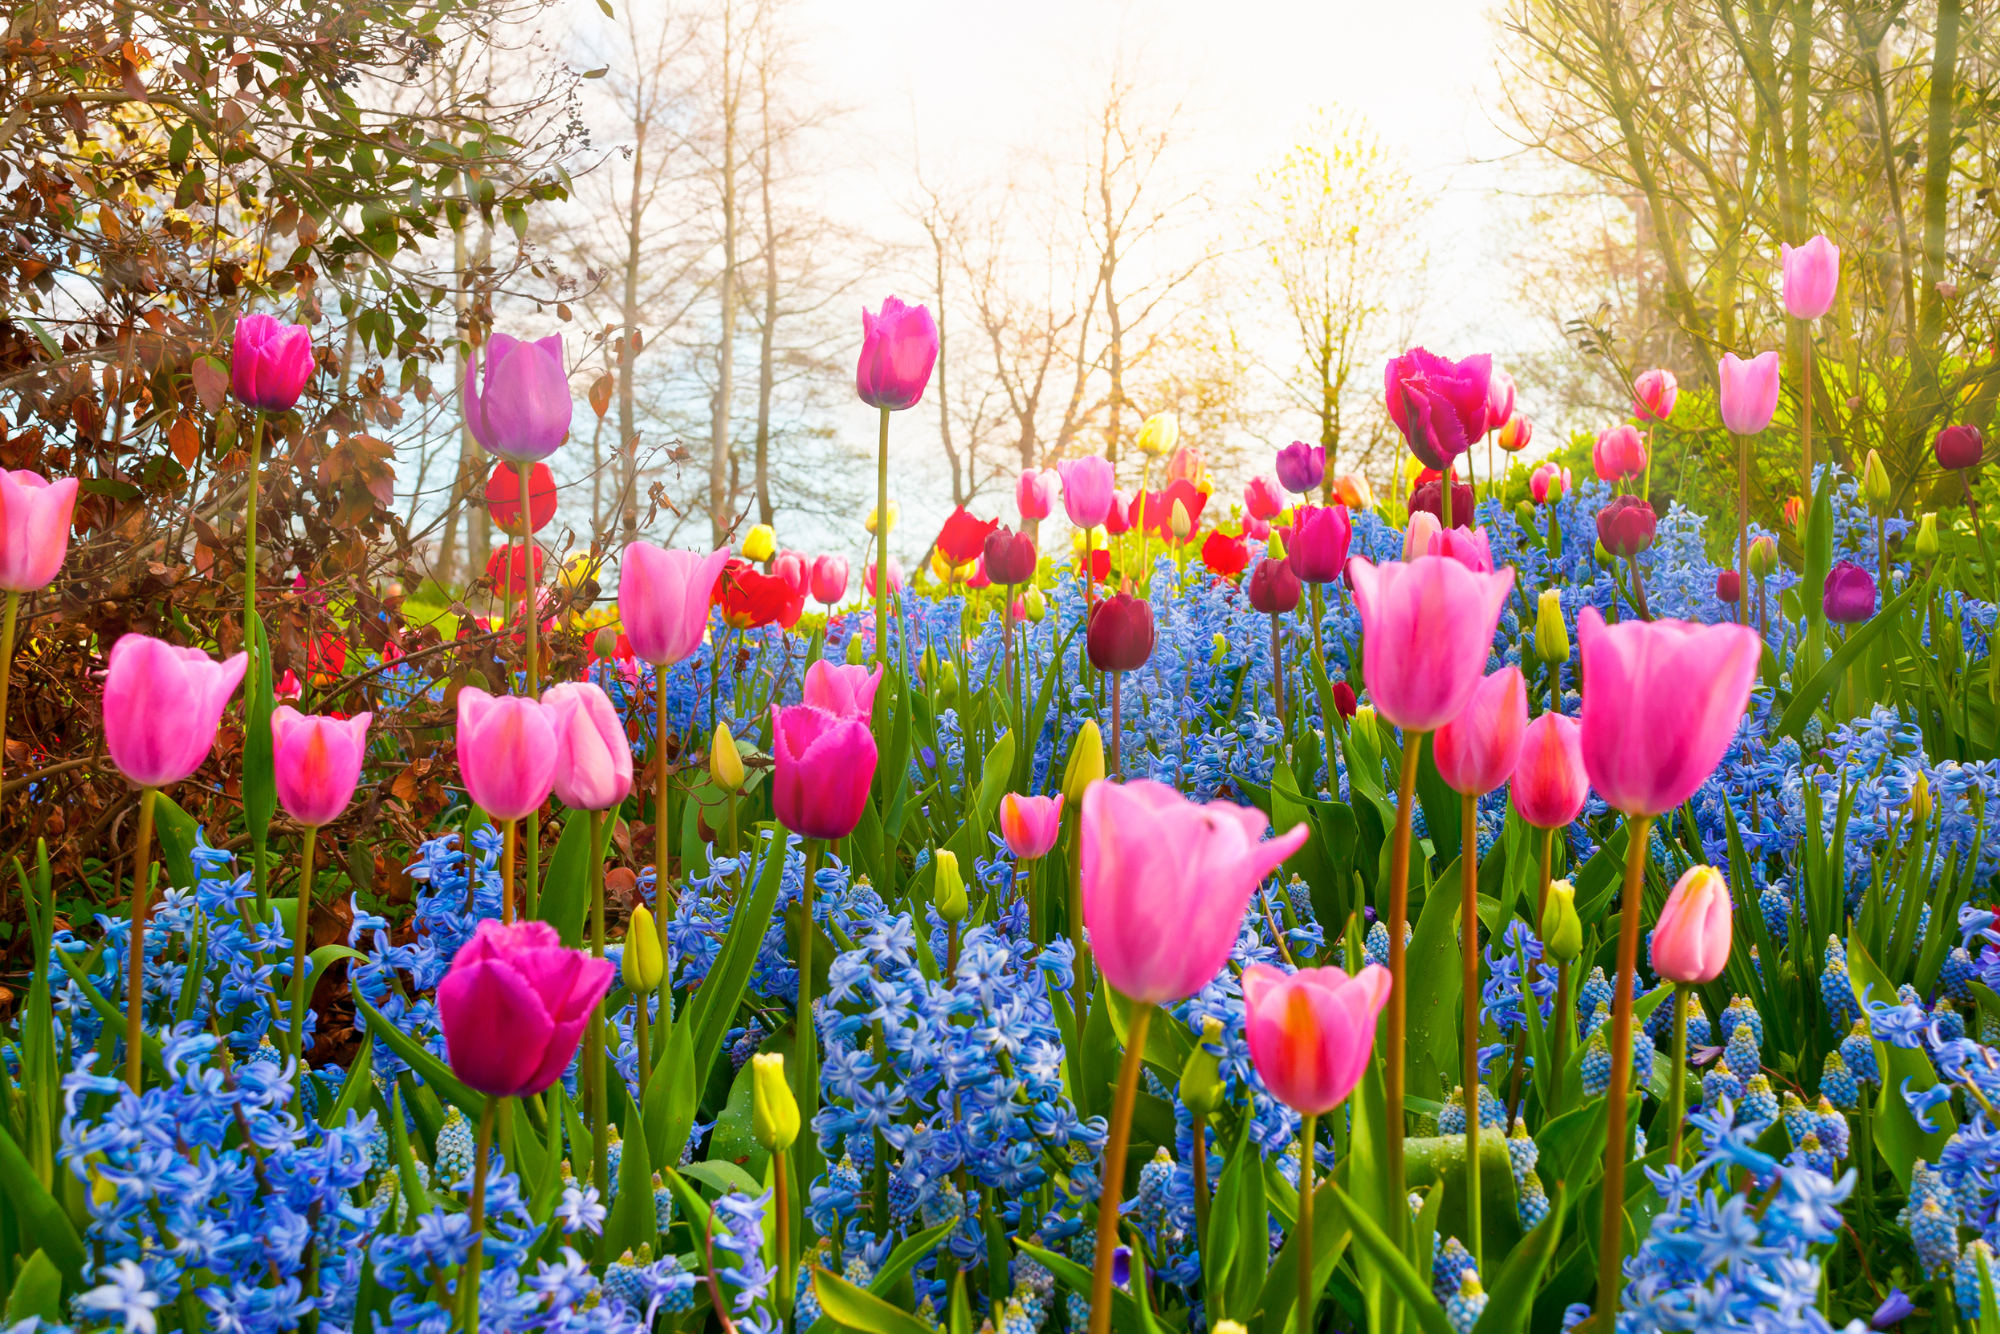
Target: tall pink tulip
317	762
513	1006
829	579
1812	273
1029	825
1499	400
1550	785
593	769
1087	486
895	577
1478	749
845	692
506	752
825	763
1311	1032
520	407
663	599
1653	395
1619	453
161	707
270	363
1427	631
1749	392
899	346
1035	493
1691	939
1262	498
34	528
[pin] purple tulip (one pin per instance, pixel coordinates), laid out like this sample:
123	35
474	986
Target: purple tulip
1439	405
514	1005
270	363
899	345
1301	467
1849	596
824	764
1317	550
520	409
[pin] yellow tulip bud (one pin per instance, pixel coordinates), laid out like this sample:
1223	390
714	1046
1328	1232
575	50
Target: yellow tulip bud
1562	929
1927	537
895	513
1179	522
774	1112
725	762
949	894
1086	763
1551	635
1159	433
1920	799
643	966
760	543
857	652
1201	1076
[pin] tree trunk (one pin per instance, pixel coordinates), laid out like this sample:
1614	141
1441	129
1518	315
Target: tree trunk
628	426
721	498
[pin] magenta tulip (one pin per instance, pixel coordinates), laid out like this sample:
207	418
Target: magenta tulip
663	600
520	408
1749	392
1812	273
843	691
1653	395
899	346
1262	499
1958	447
34	529
1549	785
1317	546
270	363
1470	547
1427	631
1120	635
1301	467
506	753
1661	703
1438	404
513	1006
1311	1032
1274	589
1165	883
1029	825
829	579
1728	586
593	770
1478	750
161	706
1691	939
1848	596
1010	557
825	763
1035	493
317	761
1619	453
1088	487
1499	401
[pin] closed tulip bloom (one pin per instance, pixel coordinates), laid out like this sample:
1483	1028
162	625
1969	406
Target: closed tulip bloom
1427	630
895	513
774	1110
161	706
1120	636
663	599
1551	635
1274	589
1420	534
1345	701
1549	785
1159	433
1470	547
1749	392
1165	883
760	543
1087	485
1086	762
1186	466
1010	557
1311	1032
1627	526
1262	499
1118	519
1848	597
1029	825
1317	549
845	692
1477	750
1653	395
1728	586
1438	404
1763	555
1812	273
1548	484
1499	401
794	569
514	1005
520	408
824	764
270	363
895	577
34	528
829	579
1691	939
1517	434
1618	453
1352	490
1428	498
506	753
593	769
1661	703
316	762
1958	447
643	966
1035	493
1301	467
899	346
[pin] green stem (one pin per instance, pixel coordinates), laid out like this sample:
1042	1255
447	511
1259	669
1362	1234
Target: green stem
135	985
1399	912
1307	1294
1112	1185
1611	1239
806	1056
1198	1126
250	525
787	1270
530	614
469	1276
1677	1082
882	543
600	1149
1468	948
301	925
7	666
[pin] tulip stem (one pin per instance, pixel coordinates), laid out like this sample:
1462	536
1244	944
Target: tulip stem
806	1050
1278	674
507	872
1117	725
600	1148
882	543
1198	1131
1445	484
1542	895
7	666
1565	1016
1307	1294
135	986
250	526
787	1271
1318	614
476	1215
662	812
530	608
1677	1089
1468	948
1399	911
642	1028
1611	1240
1743	518
1111	1187
301	923
1805	429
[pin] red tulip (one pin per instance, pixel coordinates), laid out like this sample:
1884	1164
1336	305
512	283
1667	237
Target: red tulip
1160	508
503	497
1549	785
1225	556
161	707
1477	750
749	598
1345	701
514	1005
1118	519
899	346
507	568
1311	1032
34	528
1626	526
1010	557
1439	405
1428	499
270	363
1427	631
1035	493
824	764
963	537
1691	939
1100	565
1958	447
1274	589
1262	499
1728	586
1120	636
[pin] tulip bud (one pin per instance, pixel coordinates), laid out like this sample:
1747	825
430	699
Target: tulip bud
947	684
725	763
774	1112
895	513
1875	491
1034	605
1764	556
605	644
1086	763
1728	586
1159	433
1927	538
1551	634
760	543
1218	650
1362	727
949	893
857	652
1179	522
1201	1077
1525	513
1562	929
1603	556
1274	545
1920	798
643	964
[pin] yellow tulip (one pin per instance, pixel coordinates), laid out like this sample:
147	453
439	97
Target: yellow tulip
760	543
1158	433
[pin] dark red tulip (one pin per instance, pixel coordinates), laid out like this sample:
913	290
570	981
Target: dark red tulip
1430	500
1626	526
1317	547
963	537
1728	586
1344	699
1224	555
1010	557
1274	589
1958	447
1120	638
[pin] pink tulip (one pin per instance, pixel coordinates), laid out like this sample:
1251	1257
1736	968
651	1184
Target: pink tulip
663	599
1550	785
1549	482
1311	1032
1653	395
1470	547
506	753
899	346
1691	939
270	363
317	761
829	579
825	763
1165	883
34	529
792	567
1749	392
1087	485
520	409
1427	630
1661	702
514	1005
1262	499
1477	750
161	705
1029	825
1438	404
1035	493
593	770
845	692
1812	272
1499	401
895	577
1420	534
1618	453
1318	542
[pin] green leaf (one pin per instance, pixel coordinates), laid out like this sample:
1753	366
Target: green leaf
38	1291
566	892
355	1087
1897	1134
857	1308
37	1214
415	1193
435	1073
633	1221
1808	699
908	1254
1511	1298
1394	1265
178	831
1125	1315
671	1094
714	1004
1432	969
722	1177
1329	1243
260	783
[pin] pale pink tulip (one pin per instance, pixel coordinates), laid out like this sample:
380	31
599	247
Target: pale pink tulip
1749	392
1812	274
316	762
593	770
663	599
1691	939
1311	1032
1549	785
845	692
34	529
161	707
1427	631
506	753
